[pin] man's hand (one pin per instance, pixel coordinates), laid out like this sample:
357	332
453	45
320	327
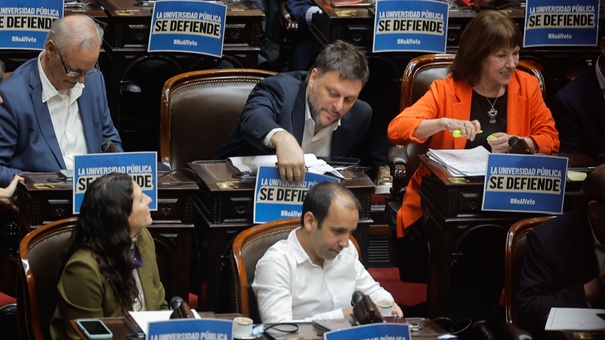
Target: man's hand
396	310
7	193
595	289
290	157
347	311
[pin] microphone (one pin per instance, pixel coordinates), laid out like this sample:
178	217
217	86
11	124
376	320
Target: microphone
181	309
364	310
519	146
357	297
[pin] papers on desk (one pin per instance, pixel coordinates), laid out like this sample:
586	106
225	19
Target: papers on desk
144	318
575	319
461	162
249	164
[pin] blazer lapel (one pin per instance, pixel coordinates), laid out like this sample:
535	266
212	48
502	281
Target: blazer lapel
86	115
45	123
516	103
298	113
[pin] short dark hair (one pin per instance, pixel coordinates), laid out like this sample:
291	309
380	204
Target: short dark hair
345	58
486	33
319	198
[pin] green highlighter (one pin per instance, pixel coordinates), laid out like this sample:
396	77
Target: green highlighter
458	133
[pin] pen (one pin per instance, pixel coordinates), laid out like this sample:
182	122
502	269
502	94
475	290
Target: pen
458	133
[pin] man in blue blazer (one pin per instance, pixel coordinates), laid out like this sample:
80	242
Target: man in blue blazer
564	260
55	105
579	109
293	113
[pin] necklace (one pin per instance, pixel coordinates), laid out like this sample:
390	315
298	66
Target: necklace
491	113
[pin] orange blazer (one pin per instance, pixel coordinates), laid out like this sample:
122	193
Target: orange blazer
527	116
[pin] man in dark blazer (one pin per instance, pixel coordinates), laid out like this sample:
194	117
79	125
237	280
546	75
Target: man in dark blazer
564	261
293	113
579	109
58	91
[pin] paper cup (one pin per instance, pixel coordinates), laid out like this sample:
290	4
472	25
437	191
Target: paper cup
242	327
385	306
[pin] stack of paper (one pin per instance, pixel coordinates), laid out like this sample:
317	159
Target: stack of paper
250	164
462	162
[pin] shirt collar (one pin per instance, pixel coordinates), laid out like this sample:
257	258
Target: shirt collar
308	117
299	252
48	89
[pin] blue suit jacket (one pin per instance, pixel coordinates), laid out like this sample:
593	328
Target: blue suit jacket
579	113
27	137
279	101
559	259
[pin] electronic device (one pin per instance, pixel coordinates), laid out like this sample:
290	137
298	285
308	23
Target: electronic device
94	328
137	332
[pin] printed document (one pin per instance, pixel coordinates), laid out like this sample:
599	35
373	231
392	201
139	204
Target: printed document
462	162
575	319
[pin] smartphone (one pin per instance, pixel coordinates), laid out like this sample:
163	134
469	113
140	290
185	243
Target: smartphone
94	329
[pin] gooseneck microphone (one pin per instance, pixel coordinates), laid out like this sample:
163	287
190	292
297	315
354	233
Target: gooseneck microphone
519	146
357	297
364	310
181	309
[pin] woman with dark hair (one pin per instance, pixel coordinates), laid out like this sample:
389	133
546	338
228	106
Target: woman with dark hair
483	92
110	267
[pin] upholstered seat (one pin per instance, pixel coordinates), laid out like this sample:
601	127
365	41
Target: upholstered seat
199	110
516	240
40	253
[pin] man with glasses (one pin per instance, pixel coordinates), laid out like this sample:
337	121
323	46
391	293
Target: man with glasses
55	105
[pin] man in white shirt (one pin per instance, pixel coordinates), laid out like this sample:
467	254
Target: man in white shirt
55	105
314	272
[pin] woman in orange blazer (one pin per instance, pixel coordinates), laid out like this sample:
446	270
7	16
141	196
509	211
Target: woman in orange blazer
483	92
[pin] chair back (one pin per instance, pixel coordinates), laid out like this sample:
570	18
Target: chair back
248	247
41	252
516	240
199	110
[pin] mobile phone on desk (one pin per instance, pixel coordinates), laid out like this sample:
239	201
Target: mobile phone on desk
94	329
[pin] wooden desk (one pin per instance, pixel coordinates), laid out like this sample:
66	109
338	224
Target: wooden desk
224	207
452	210
41	201
120	329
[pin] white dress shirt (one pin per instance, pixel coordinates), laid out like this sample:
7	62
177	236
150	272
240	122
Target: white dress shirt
289	287
65	115
319	144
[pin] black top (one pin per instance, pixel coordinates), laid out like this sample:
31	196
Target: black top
479	107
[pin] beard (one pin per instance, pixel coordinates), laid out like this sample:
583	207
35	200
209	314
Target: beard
315	110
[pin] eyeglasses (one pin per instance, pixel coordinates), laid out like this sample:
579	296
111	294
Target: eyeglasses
74	74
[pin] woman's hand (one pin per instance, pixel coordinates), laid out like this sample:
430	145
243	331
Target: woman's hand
500	144
429	127
468	129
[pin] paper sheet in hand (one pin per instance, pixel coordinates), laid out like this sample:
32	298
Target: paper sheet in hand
575	319
250	164
461	162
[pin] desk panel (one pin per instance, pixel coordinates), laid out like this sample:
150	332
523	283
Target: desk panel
224	207
452	211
